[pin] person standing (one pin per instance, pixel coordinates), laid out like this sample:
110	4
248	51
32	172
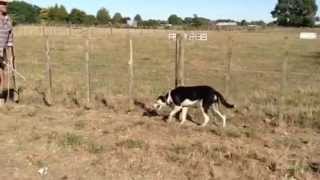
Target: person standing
6	46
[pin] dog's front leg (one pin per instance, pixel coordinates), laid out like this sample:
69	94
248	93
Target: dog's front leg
175	110
184	115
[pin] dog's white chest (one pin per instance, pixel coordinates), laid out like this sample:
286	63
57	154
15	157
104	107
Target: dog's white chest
188	102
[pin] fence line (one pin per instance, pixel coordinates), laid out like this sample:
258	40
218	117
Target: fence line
179	69
210	68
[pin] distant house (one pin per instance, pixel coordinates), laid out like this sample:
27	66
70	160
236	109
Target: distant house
167	25
132	23
220	24
253	27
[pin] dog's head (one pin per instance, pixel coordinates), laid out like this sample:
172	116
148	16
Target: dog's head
160	102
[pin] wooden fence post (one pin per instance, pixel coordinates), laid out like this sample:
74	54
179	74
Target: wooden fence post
69	30
88	83
284	80
228	64
43	30
179	69
131	80
54	30
24	30
48	95
111	26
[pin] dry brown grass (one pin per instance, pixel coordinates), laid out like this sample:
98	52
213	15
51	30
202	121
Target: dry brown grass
108	143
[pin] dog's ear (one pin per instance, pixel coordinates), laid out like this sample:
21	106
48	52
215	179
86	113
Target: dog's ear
162	98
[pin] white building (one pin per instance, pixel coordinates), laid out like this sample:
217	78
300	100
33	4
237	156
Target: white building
132	23
226	24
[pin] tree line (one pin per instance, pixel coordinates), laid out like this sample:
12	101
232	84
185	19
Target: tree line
26	13
286	13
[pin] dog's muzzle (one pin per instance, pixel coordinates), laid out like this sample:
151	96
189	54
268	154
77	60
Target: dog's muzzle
157	107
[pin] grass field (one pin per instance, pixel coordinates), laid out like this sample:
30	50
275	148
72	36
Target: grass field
107	142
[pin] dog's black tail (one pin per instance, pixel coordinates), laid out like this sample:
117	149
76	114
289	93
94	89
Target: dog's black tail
224	102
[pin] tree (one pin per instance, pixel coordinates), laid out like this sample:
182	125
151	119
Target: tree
225	20
199	21
44	15
138	19
125	20
188	20
103	16
22	12
175	20
90	20
77	16
117	18
151	23
243	23
258	23
62	14
57	14
295	12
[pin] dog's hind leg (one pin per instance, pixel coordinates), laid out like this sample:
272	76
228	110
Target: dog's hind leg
184	115
175	110
223	117
205	114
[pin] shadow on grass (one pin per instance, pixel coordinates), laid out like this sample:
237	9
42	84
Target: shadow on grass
148	112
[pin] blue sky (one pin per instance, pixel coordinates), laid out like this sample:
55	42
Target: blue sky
161	9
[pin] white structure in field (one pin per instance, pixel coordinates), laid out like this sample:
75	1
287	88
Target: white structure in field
308	35
132	23
226	24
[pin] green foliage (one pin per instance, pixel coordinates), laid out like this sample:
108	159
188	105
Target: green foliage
196	21
90	20
151	23
244	23
117	18
200	21
71	140
132	144
103	16
259	23
57	14
77	16
295	12
22	12
188	20
138	19
175	20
